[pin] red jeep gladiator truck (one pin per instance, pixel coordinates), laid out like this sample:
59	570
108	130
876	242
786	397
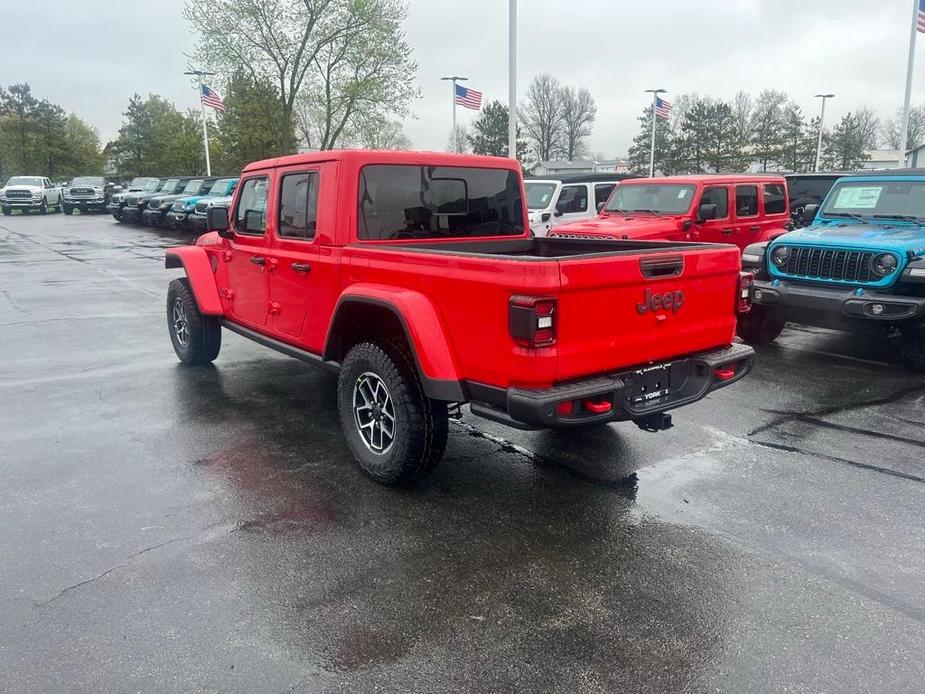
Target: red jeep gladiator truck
740	209
414	277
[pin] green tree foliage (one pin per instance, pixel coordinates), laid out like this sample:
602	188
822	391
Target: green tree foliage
798	149
38	137
640	150
158	140
343	58
843	148
248	130
768	128
489	134
707	140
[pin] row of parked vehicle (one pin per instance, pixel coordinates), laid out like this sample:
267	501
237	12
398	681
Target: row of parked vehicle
179	202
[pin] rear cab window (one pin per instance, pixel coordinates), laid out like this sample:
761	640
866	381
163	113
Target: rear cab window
775	198
398	202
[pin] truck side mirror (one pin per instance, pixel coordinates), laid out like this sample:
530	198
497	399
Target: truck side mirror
809	212
217	219
600	205
706	211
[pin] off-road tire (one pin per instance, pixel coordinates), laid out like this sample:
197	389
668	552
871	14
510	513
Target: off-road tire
117	216
420	424
202	339
8	211
67	210
912	346
758	328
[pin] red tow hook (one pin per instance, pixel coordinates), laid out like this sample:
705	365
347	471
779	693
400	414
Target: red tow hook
598	406
725	373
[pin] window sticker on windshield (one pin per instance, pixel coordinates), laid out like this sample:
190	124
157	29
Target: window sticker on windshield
682	193
858	197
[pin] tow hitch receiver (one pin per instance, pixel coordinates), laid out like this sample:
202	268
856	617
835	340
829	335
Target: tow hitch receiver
658	421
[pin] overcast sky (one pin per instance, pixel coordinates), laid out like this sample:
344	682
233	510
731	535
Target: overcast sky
89	57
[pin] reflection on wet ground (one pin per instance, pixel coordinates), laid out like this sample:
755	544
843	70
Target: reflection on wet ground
177	529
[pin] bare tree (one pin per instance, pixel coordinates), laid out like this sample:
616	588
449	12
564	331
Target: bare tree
286	40
458	140
542	116
376	134
867	123
578	113
743	107
891	130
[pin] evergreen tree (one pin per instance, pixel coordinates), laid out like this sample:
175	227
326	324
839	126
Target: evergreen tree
843	148
489	134
640	150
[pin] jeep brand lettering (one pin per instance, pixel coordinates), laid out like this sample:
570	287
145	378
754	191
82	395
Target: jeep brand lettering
672	301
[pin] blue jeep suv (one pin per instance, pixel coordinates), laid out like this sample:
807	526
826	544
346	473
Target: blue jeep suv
858	266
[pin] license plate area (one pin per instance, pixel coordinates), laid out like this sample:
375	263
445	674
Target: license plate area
645	386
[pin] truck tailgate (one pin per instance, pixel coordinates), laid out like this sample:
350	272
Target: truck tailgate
626	310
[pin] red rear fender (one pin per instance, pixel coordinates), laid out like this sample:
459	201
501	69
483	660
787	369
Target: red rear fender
198	266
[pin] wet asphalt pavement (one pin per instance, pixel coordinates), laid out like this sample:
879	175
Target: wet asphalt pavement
174	529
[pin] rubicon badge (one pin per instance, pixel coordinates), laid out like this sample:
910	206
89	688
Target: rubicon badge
667	301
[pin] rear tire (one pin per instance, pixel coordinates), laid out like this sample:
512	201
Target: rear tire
196	338
757	327
67	210
912	346
396	433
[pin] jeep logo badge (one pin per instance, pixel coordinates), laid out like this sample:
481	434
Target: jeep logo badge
669	301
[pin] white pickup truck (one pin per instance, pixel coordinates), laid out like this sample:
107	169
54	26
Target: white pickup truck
29	193
555	200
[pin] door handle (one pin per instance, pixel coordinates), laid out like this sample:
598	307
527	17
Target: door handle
755	227
301	267
725	231
258	259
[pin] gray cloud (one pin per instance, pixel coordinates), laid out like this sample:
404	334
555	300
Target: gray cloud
90	57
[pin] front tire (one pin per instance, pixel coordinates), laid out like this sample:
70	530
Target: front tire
196	338
395	432
67	210
912	346
8	211
757	327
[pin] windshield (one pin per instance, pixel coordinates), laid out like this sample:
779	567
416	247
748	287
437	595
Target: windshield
170	186
25	181
193	186
539	194
668	198
220	186
88	181
876	199
152	186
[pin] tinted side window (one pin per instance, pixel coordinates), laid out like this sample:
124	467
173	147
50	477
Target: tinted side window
601	193
251	213
774	202
718	197
424	202
573	199
298	205
746	201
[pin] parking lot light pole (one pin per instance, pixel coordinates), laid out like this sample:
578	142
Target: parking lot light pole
910	66
654	93
199	74
454	79
821	127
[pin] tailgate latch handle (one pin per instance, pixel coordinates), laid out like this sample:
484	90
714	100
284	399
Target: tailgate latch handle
657	268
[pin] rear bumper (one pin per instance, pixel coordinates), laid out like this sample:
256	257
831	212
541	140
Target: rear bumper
691	379
835	307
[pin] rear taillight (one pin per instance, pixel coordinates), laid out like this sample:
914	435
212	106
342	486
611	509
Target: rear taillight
743	304
532	320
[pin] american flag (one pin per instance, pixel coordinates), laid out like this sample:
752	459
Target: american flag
210	98
663	108
471	98
920	17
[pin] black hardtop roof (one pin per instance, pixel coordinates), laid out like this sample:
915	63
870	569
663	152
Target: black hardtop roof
581	177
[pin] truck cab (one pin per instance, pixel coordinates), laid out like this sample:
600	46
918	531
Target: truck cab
553	201
736	209
859	266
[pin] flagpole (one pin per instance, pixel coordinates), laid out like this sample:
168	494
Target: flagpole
511	80
202	109
453	81
912	30
655	93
